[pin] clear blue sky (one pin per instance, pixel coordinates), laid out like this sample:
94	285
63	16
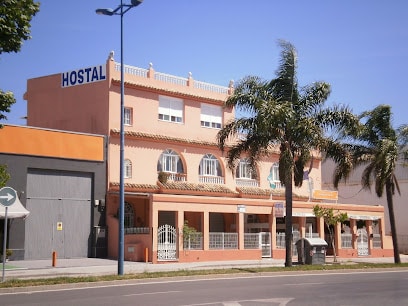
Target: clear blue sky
359	47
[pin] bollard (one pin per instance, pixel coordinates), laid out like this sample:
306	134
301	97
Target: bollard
146	255
54	259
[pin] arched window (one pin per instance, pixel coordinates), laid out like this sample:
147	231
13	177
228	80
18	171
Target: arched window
170	161
128	168
210	166
244	170
273	177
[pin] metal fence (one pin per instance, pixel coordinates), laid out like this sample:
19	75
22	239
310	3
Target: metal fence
346	241
194	241
223	241
376	241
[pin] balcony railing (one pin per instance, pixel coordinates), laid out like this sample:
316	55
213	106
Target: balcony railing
247	182
206	179
176	177
172	79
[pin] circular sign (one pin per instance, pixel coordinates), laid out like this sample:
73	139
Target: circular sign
7	196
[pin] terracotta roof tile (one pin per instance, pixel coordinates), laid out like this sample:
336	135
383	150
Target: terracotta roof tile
211	188
164	137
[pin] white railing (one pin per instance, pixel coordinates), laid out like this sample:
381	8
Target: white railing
247	182
132	70
251	241
223	241
281	244
211	179
170	78
346	241
211	87
276	184
194	241
177	177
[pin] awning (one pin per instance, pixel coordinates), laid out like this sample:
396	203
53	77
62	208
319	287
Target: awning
300	214
17	210
363	217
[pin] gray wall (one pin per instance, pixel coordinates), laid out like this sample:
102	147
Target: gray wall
18	167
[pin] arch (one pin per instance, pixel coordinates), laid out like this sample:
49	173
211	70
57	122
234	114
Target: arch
170	161
210	166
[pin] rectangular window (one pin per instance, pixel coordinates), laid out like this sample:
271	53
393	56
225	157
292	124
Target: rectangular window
170	163
211	116
171	109
128	116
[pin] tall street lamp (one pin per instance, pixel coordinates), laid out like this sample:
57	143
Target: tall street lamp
121	10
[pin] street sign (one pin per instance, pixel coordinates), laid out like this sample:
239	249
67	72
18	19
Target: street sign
7	196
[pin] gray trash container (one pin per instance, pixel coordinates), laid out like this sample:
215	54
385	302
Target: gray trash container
311	251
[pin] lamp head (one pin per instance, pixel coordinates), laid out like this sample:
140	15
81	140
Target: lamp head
105	11
136	2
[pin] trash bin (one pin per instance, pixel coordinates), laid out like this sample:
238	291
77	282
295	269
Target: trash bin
311	251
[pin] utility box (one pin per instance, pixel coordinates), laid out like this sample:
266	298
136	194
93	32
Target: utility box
311	251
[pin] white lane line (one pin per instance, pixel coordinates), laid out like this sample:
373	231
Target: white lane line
150	293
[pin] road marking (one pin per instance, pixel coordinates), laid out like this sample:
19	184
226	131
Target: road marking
302	284
150	293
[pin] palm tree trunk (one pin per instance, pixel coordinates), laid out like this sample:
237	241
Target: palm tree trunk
388	190
288	221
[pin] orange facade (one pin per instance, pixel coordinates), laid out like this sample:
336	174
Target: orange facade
176	177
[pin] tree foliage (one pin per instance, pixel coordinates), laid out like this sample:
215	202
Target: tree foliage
375	145
281	115
15	19
331	219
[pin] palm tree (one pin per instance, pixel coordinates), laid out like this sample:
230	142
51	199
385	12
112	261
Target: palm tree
377	146
280	115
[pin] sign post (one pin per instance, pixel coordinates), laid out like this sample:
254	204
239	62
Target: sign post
7	198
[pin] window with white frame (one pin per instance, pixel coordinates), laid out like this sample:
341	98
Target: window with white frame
171	109
210	166
273	177
128	168
170	161
128	116
211	116
244	170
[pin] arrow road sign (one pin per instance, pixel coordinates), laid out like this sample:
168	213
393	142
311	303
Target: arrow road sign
7	196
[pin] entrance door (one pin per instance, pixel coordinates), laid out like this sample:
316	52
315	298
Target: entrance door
167	243
362	242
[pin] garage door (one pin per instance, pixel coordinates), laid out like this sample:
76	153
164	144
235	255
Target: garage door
60	214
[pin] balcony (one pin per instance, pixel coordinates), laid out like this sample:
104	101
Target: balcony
206	179
244	182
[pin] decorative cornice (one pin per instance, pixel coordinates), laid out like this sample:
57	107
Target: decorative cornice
157	137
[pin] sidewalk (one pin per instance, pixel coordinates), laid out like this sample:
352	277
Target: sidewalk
25	269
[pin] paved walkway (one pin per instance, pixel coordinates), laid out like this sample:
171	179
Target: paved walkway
97	266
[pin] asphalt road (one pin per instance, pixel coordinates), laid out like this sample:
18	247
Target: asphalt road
324	288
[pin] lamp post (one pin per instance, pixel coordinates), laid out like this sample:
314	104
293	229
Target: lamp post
121	10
